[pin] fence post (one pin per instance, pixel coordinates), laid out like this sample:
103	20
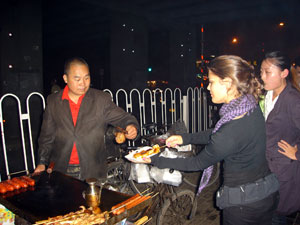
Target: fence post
186	111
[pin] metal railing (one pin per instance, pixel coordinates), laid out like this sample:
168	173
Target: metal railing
157	106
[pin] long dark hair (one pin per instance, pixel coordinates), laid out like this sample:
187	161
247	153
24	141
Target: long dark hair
240	71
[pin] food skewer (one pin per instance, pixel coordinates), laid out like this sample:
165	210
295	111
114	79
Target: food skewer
120	129
136	198
145	153
76	218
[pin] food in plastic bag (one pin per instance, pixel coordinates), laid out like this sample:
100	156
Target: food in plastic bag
166	176
140	173
183	152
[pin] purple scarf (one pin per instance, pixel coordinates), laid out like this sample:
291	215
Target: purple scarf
235	108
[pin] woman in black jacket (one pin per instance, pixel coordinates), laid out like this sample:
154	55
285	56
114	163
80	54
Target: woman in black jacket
249	194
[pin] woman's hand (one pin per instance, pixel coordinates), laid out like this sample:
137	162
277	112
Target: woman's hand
174	140
288	150
146	160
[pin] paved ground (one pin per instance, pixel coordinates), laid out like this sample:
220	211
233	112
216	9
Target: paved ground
207	213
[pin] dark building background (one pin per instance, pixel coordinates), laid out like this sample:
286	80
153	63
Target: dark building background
128	52
21	60
129	44
21	48
122	39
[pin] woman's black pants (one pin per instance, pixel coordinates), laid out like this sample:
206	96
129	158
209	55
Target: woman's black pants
257	213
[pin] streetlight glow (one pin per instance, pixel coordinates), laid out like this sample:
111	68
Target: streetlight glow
234	40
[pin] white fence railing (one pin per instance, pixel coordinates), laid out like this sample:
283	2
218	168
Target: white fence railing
163	107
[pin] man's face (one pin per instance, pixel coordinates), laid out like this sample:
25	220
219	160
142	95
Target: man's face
78	80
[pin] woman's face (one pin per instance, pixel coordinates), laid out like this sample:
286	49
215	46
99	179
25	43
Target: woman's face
272	76
217	88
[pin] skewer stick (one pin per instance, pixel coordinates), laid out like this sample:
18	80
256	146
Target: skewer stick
147	221
120	129
155	194
145	191
163	146
44	222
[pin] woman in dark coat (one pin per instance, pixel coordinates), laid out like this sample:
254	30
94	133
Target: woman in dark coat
282	115
249	194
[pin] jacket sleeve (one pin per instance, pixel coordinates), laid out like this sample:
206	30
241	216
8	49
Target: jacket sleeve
221	144
47	136
295	111
116	116
201	137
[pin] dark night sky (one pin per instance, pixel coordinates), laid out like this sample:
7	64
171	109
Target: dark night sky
81	28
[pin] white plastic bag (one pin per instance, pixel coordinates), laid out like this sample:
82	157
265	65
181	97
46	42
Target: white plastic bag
183	151
165	176
140	173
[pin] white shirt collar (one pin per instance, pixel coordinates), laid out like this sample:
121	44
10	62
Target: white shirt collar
269	103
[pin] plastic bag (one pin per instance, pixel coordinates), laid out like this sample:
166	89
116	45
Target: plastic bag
170	176
181	152
140	173
166	176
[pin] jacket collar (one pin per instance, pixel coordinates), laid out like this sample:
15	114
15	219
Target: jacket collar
65	95
286	89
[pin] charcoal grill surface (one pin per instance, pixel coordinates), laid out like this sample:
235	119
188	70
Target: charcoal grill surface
55	195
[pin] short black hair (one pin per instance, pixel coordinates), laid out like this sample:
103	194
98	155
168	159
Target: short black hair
74	60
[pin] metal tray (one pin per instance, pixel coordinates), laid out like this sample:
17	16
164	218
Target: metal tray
59	194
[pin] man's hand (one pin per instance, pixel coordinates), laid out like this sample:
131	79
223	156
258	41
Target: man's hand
40	168
174	140
131	132
288	150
